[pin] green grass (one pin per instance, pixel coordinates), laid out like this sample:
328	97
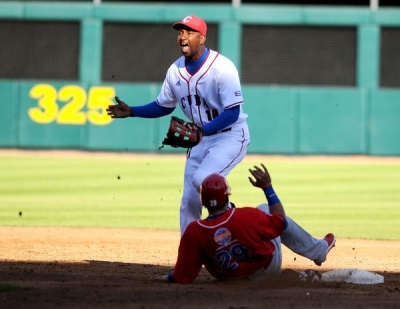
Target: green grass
87	192
353	199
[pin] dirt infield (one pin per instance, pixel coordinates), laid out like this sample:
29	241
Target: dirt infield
114	268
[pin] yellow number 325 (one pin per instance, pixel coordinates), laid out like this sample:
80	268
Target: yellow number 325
77	110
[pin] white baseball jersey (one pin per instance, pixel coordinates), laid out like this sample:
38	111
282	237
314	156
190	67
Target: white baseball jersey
202	97
206	94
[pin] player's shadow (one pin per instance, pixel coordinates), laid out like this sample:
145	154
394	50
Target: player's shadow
84	285
115	284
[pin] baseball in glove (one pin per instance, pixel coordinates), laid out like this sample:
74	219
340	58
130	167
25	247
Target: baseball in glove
182	134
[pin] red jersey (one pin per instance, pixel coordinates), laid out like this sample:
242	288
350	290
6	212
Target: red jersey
232	245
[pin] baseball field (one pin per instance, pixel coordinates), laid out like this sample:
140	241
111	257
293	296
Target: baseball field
92	230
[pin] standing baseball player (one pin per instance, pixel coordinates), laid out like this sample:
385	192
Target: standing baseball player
206	86
243	242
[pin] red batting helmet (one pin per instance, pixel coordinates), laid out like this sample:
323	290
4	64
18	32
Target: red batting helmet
214	191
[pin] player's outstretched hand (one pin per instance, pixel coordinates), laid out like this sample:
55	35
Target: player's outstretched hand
262	177
120	110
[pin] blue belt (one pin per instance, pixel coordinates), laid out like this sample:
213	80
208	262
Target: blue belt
221	131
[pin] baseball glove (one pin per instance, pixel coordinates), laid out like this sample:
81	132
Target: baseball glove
182	134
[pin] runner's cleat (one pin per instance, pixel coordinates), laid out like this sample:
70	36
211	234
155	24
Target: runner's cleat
330	240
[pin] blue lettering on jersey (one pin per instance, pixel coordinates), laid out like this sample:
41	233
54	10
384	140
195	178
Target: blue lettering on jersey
229	259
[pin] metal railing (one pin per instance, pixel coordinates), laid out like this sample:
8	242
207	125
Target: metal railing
373	4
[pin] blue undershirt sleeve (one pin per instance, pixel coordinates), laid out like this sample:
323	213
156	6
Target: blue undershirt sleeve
225	119
151	110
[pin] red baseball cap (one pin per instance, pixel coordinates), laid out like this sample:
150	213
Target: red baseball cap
192	22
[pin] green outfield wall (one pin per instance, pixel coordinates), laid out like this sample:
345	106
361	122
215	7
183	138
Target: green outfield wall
347	102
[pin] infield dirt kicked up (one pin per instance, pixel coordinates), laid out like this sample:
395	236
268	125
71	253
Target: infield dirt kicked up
115	268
